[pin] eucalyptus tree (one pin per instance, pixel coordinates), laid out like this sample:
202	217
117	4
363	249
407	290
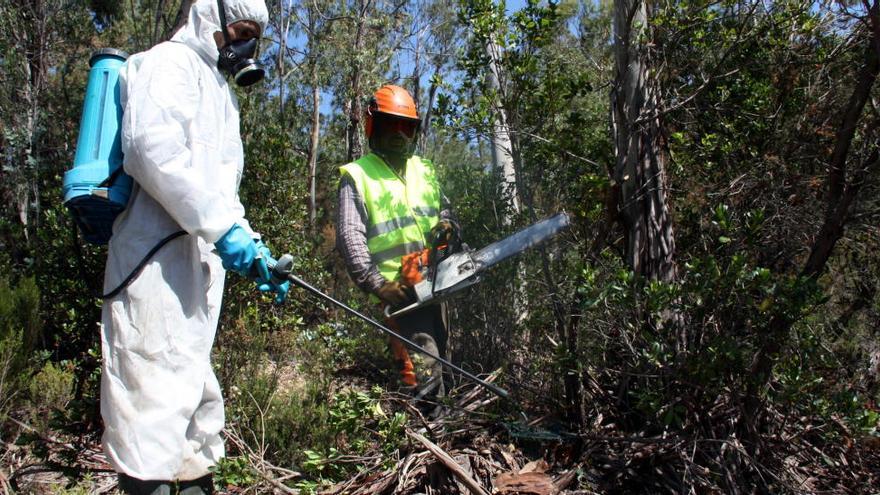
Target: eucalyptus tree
640	169
365	36
431	48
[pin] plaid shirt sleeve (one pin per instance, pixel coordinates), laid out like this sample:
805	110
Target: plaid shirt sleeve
351	238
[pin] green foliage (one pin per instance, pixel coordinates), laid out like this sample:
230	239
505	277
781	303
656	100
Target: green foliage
353	410
233	471
359	423
10	369
84	486
20	327
272	398
50	392
20	312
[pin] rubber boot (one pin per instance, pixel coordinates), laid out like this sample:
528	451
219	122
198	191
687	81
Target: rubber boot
133	486
200	486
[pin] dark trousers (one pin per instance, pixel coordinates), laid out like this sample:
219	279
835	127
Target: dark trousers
427	328
133	486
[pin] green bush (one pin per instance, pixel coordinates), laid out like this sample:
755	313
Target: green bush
51	390
19	331
358	423
233	471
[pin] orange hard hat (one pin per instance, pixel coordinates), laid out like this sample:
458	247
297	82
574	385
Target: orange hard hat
391	100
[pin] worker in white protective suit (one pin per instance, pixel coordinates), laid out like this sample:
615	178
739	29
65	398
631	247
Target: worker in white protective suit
160	400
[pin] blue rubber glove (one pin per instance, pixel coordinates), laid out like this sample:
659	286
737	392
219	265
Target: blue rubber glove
266	284
238	251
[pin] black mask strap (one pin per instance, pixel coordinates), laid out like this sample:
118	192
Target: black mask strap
222	8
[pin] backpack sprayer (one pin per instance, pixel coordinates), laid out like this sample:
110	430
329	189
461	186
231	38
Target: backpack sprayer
96	189
450	275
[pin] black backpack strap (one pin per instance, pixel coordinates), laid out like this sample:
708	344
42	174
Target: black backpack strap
112	178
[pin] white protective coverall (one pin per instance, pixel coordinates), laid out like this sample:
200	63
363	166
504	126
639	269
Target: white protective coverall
160	400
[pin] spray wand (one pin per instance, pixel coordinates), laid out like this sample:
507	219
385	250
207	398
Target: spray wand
282	271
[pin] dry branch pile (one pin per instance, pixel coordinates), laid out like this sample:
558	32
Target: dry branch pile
462	452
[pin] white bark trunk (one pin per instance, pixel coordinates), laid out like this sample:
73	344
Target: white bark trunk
502	150
504	164
313	144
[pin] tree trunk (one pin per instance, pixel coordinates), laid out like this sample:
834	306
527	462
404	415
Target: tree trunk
32	37
640	170
22	189
417	71
157	23
355	143
502	146
314	140
283	28
426	118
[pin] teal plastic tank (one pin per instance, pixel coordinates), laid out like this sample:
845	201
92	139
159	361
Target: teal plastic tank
96	189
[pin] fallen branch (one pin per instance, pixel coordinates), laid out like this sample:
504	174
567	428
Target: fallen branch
447	461
4	482
259	464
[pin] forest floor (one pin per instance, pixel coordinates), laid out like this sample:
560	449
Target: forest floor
464	450
469	450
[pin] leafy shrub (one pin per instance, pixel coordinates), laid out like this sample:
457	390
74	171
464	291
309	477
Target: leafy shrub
19	331
51	390
359	423
233	471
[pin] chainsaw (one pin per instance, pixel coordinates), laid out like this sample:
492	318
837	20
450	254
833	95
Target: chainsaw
451	273
441	275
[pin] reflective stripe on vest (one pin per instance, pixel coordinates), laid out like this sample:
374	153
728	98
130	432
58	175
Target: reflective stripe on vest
399	223
400	213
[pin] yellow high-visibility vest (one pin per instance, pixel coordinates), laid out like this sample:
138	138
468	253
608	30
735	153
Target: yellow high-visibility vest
401	211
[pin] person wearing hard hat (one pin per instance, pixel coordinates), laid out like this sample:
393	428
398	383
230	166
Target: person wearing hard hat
390	207
160	400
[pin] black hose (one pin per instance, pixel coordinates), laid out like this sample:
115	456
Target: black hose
140	266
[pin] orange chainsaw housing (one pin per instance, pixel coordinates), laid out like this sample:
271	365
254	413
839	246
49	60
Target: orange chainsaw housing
413	267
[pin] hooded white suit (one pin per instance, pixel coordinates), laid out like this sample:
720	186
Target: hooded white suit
160	400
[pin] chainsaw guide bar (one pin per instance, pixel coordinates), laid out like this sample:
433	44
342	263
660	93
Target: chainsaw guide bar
461	270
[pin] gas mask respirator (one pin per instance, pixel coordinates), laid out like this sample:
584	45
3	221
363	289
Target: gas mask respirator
237	57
